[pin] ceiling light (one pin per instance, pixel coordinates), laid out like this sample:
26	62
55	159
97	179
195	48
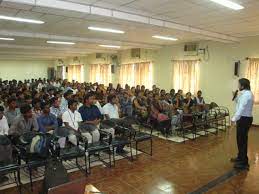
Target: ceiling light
6	38
106	30
58	42
229	4
109	46
2	17
165	37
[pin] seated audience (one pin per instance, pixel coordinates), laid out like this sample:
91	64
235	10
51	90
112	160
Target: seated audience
25	122
126	105
199	100
178	103
12	111
111	110
188	101
91	117
4	127
37	107
47	121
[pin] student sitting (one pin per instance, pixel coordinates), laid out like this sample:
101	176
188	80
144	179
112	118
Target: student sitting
36	107
4	128
72	119
111	110
11	111
126	105
199	100
140	106
91	117
188	101
55	109
47	121
178	103
26	122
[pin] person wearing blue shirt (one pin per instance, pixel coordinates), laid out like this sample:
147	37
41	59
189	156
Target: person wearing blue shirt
91	117
47	121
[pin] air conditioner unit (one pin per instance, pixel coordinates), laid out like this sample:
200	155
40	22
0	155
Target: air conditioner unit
100	56
191	49
135	53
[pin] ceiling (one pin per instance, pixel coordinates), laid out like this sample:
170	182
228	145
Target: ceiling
67	20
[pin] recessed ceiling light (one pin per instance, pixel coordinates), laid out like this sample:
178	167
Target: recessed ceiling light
60	42
165	37
6	38
229	4
17	19
106	30
109	46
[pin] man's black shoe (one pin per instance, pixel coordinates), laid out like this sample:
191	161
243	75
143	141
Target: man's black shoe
241	166
121	151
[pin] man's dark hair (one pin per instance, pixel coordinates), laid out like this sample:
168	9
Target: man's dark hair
67	93
10	100
88	95
110	97
43	104
1	109
52	100
25	108
245	83
71	102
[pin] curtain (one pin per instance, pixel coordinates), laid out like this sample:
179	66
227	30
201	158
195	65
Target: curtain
100	73
126	75
186	75
252	74
136	74
75	72
59	72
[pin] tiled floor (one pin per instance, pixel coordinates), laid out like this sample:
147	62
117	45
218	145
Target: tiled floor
179	168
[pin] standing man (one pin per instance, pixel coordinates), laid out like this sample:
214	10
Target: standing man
243	119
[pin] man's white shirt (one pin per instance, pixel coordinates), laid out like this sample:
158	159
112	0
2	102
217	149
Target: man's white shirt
4	128
111	110
72	118
244	106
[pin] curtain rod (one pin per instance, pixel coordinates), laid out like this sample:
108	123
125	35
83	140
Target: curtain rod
186	60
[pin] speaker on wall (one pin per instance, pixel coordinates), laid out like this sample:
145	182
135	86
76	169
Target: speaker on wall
66	69
237	67
112	68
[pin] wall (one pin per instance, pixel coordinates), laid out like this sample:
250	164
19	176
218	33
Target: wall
24	69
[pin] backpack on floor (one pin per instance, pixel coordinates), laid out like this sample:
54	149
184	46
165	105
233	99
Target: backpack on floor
55	175
6	151
40	145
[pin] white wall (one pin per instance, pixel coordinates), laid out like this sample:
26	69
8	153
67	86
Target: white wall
24	69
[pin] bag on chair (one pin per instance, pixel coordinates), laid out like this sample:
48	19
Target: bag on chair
6	151
55	175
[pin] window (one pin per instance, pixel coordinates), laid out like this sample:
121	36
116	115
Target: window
76	73
100	73
136	74
186	75
252	74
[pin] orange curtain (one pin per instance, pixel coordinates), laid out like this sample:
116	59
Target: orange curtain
75	72
143	74
100	73
186	75
126	75
136	74
252	74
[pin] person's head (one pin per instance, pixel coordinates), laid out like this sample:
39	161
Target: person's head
142	88
11	103
68	94
180	92
156	96
167	96
89	98
162	92
55	102
1	112
188	95
153	87
112	99
244	84
172	92
177	96
37	104
26	111
28	99
45	107
125	95
20	95
72	105
199	93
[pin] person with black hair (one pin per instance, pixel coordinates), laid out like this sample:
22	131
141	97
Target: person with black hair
243	118
25	122
4	128
111	110
36	107
91	117
47	121
12	110
64	100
